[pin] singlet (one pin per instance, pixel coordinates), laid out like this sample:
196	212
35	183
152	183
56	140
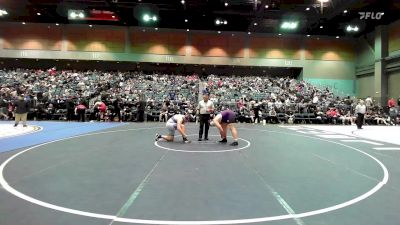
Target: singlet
228	116
174	120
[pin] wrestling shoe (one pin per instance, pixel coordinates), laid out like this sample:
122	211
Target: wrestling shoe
235	143
158	137
186	141
223	141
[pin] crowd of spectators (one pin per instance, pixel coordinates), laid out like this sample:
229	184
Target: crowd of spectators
287	100
127	95
135	96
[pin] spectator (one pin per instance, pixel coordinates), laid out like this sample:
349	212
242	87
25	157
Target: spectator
70	108
391	103
80	110
368	102
117	104
393	112
141	107
101	109
21	111
164	113
273	116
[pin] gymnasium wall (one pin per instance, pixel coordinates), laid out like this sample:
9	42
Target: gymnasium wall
365	52
35	37
365	62
365	86
394	38
394	63
323	61
394	84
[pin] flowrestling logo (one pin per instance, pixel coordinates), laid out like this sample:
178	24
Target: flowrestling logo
371	15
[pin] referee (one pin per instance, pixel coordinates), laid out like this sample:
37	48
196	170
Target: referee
204	109
360	111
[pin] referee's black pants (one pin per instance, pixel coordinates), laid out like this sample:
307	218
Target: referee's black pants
360	120
204	123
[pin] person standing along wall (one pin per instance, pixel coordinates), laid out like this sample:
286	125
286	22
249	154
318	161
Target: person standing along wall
70	105
21	111
141	106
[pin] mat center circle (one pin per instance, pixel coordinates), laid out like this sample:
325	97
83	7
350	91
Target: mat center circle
211	145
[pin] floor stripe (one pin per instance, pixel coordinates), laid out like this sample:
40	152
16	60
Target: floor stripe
303	132
345	167
287	207
334	136
276	195
139	189
388	149
362	141
320	132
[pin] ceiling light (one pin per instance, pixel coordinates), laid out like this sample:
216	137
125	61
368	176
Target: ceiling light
266	6
279	34
90	25
323	1
350	28
154	18
337	37
186	20
249	33
187	30
221	22
3	12
219	32
308	35
156	28
226	4
345	11
38	14
113	16
308	9
73	15
57	24
255	24
289	25
23	23
233	35
146	17
183	1
321	26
